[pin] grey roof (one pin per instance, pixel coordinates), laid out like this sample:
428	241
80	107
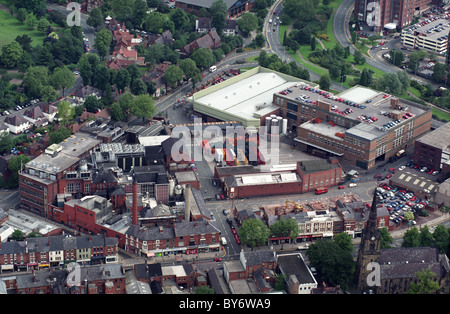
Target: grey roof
438	138
406	262
293	264
258	257
151	233
309	166
102	272
56	243
207	3
194	227
144	271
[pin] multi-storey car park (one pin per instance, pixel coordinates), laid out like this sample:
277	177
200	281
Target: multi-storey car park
360	125
431	34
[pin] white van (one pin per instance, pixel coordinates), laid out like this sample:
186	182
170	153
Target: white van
270	21
223	241
212	68
352	185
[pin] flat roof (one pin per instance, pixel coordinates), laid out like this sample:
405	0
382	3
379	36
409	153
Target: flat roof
438	138
245	97
413	181
359	104
359	94
433	30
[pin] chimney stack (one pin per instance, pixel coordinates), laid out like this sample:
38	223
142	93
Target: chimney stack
134	208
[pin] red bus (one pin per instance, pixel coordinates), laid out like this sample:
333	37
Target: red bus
321	190
206	147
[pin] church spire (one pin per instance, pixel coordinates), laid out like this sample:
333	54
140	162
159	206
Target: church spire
369	248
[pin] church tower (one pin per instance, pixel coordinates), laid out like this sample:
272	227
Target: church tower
369	249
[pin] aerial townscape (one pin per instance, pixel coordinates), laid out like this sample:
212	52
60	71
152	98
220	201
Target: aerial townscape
224	147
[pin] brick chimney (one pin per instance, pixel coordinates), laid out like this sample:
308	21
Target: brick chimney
134	208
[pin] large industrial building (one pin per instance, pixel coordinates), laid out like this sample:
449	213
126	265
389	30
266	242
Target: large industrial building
246	98
359	125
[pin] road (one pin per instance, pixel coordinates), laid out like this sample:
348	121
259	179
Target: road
273	44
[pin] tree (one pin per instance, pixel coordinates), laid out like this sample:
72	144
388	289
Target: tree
313	43
95	18
62	78
138	87
385	239
189	68
344	240
411	238
334	264
11	54
87	65
218	13
248	22
116	112
441	237
65	112
122	79
404	80
426	284
253	232
366	78
425	237
325	81
59	135
143	106
103	41
21	15
92	104
439	72
101	77
397	57
203	58
204	290
17	235
154	22
359	57
42	25
5	142
390	83
25	42
31	21
16	164
285	228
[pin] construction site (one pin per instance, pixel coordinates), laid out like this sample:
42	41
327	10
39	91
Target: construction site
320	218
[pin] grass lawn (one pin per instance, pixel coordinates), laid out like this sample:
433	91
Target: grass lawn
11	28
441	115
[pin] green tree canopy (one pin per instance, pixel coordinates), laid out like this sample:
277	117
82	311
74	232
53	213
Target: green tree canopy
334	264
253	232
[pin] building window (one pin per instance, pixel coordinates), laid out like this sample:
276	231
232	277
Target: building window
69	187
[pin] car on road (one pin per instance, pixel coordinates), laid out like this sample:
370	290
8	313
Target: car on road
218	197
225	212
389	176
217	259
402	168
352	185
341	187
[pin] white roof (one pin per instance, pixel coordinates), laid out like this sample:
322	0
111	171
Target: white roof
359	94
248	98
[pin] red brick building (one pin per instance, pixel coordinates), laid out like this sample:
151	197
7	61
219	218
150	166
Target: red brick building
399	13
250	182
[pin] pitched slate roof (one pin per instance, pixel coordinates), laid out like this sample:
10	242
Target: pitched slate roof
406	262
